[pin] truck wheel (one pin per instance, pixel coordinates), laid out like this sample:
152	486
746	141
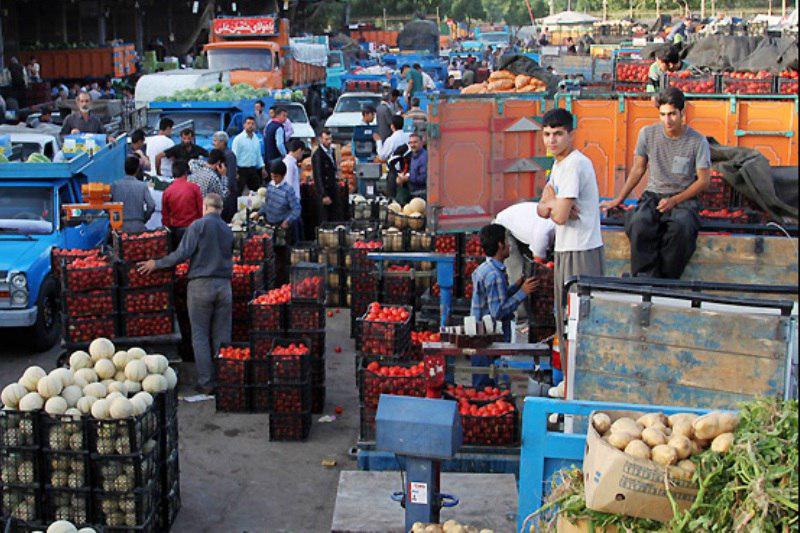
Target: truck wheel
47	329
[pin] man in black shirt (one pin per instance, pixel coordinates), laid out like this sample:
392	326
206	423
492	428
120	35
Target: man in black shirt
185	151
82	120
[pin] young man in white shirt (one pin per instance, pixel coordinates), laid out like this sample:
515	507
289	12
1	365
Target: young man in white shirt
294	153
570	199
161	143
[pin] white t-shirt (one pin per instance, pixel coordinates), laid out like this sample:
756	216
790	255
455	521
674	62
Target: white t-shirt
574	177
292	174
156	145
527	226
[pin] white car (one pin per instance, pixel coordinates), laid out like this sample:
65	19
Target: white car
347	114
41	140
301	126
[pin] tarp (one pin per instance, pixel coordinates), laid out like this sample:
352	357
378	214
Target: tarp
419	35
750	174
567	18
312	54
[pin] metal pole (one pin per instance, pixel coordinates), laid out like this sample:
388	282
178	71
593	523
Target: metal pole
64	20
605	10
138	27
101	24
783	8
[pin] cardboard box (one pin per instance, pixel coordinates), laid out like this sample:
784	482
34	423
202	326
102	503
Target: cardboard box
581	525
619	483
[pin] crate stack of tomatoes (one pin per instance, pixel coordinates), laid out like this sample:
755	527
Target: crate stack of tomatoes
489	416
693	83
384	364
330	244
399	284
540	304
288	394
744	82
363	282
788	82
145	301
630	75
470	258
88	294
232	393
718	195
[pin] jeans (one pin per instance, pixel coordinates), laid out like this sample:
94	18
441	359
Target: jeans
210	314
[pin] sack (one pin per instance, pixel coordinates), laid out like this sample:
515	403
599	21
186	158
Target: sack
501	85
521	81
501	75
475	88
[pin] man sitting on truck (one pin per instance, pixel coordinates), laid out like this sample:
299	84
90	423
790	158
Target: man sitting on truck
137	203
185	151
663	227
82	120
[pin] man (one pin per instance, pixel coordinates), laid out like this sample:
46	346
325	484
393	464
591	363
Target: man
412	183
275	137
663	228
137	148
323	165
220	142
19	82
137	203
419	117
128	102
161	143
95	92
571	200
491	293
414	80
281	207
384	114
427	82
247	148
528	228
211	175
82	120
395	140
668	60
181	203
368	115
294	152
186	150
259	116
288	127
208	244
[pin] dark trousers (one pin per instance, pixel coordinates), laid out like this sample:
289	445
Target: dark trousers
175	236
661	243
249	177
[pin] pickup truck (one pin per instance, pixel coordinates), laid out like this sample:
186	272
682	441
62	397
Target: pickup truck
31	196
43	139
347	114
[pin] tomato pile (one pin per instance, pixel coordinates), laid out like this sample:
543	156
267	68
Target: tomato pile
445	244
289	399
92	303
418	337
385	330
747	82
472	246
633	71
148	325
143	246
245	279
87	329
267	311
87	273
307	316
231	369
311	288
238	353
392	379
490	424
68	255
231	399
286	362
316	341
630	87
257	249
788	84
147	300
486	394
688	83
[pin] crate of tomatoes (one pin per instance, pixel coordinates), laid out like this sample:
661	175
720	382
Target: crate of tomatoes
632	70
147	324
399	285
133	247
420	337
59	255
79	330
129	276
89	303
474	395
359	252
257	249
288	362
232	398
289	426
246	280
146	300
492	424
385	330
231	364
741	82
268	309
308	282
396	377
718	195
87	273
306	316
693	83
446	243
788	82
285	398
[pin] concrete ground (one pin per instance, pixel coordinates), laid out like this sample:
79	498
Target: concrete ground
232	478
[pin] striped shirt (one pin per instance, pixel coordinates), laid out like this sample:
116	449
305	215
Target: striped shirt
281	204
207	178
492	296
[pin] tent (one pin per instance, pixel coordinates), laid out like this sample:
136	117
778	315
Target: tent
568	18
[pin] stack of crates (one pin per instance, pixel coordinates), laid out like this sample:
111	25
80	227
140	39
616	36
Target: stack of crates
170	493
67	475
363	282
146	304
384	344
540	304
418	241
255	270
88	298
20	454
399	284
305	318
232	393
286	370
470	257
331	240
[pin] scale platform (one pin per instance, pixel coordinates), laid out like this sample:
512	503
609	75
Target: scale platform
363	504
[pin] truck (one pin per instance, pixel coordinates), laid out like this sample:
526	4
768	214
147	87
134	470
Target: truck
31	198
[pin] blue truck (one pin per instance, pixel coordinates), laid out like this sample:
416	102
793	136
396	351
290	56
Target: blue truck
31	197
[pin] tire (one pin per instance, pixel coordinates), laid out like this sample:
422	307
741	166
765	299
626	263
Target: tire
47	329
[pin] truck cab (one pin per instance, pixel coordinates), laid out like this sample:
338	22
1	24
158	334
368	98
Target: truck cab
347	114
205	118
336	68
40	140
31	224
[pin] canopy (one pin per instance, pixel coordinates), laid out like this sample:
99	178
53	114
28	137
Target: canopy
567	18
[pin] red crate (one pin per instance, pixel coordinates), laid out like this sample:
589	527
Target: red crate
359	252
91	303
148	300
308	282
133	247
147	324
80	330
231	364
59	255
257	249
498	430
130	277
289	426
632	70
282	366
384	338
402	379
734	84
693	84
445	244
246	280
302	316
787	85
79	277
231	399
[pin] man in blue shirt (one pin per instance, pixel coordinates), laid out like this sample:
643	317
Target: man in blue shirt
280	207
491	293
249	160
417	176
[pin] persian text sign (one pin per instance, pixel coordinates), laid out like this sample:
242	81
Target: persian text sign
236	26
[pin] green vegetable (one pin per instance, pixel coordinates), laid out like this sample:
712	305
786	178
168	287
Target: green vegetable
36	157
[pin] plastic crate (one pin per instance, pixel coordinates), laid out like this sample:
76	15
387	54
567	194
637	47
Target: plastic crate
417	241
393	240
289	368
304	252
240	332
146	300
317	399
130	277
302	316
367	424
733	85
399	287
266	317
698	84
67	470
364	285
231	371
308	282
58	256
133	509
19	466
257	249
315	338
259	398
632	70
502	430
124	473
788	86
62	433
284	398
374	384
362	230
169	507
74	505
718	195
86	329
19	428
133	247
90	303
332	235
231	399
283	427
446	243
359	260
122	437
21	503
147	324
246	280
626	87
385	338
82	279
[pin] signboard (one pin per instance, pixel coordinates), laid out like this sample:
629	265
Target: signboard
244	26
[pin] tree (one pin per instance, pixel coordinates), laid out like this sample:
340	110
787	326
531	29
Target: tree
467	10
517	13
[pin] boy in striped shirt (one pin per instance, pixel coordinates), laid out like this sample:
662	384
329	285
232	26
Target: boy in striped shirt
280	207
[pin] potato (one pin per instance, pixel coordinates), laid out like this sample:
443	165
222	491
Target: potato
679	473
728	422
682	445
651	418
699	446
683	427
418	527
664	454
628	425
653	437
638	449
691	417
601	422
687	465
620	439
722	443
708	426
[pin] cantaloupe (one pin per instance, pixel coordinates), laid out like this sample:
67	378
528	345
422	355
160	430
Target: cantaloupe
101	348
